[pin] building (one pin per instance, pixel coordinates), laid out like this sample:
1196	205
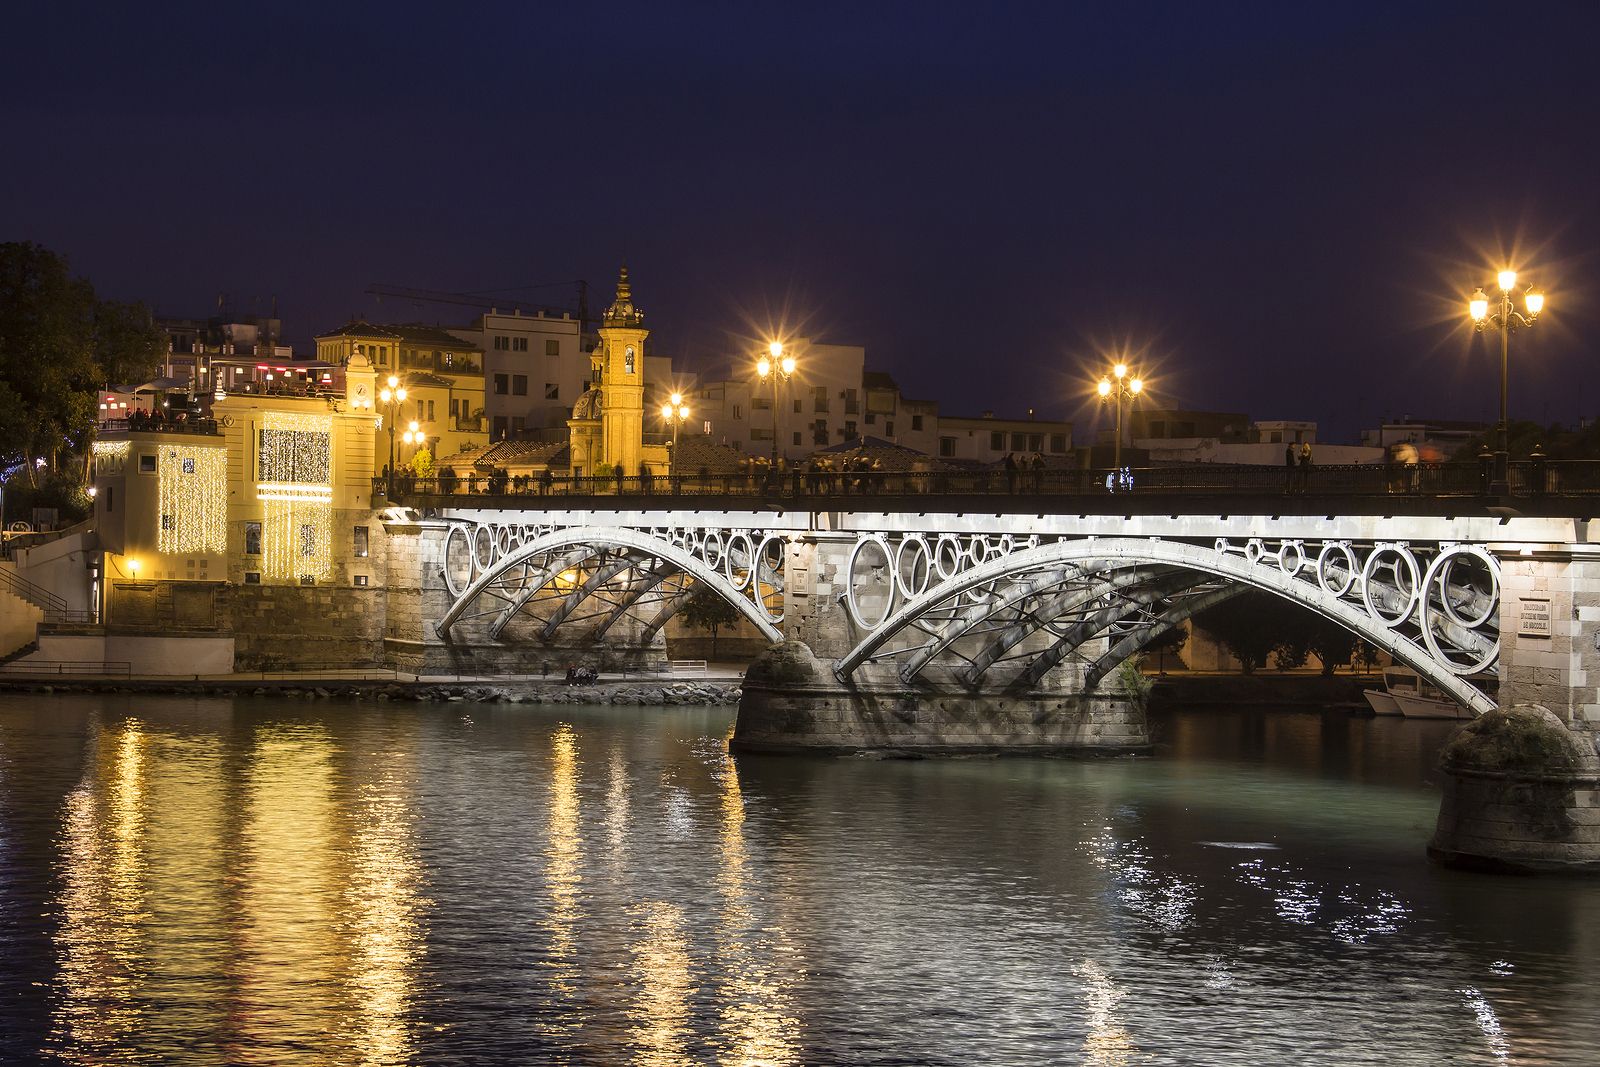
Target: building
194	346
441	374
606	429
535	367
987	439
1435	440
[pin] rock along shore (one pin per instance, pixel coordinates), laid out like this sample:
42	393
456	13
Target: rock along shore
631	693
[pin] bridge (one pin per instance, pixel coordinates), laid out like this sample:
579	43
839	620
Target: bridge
916	616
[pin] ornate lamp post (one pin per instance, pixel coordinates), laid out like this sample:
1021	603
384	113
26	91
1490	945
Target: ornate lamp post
1118	390
779	363
674	411
393	395
1505	319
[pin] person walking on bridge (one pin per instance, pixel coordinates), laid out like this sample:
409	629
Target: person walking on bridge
1305	465
1288	468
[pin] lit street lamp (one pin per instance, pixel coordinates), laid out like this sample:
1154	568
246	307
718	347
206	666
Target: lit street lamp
1505	319
780	363
674	411
393	395
1118	390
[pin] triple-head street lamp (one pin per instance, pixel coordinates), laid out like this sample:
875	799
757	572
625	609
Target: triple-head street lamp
783	363
675	411
393	395
1118	390
1505	319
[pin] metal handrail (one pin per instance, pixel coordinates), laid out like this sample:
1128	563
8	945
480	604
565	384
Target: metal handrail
1533	478
60	667
37	595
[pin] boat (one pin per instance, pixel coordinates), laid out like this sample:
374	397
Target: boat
1405	693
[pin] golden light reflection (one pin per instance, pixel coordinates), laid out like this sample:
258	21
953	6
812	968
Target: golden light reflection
385	908
760	968
100	940
1108	1042
288	951
617	804
661	1013
563	857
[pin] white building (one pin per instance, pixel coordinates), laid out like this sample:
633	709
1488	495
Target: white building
535	367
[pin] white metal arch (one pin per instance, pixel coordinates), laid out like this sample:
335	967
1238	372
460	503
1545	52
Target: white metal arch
609	537
1130	551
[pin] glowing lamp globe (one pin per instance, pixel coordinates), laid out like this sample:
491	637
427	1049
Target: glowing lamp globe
1535	301
1104	387
1508	280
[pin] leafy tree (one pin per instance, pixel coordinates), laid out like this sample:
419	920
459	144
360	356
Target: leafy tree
422	463
1168	644
59	344
1251	626
706	610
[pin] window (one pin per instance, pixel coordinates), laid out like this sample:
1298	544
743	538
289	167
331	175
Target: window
449	359
252	577
552	390
518	424
1036	442
166	522
456	407
888	427
308	579
252	539
1058	442
361	542
1276	438
760	433
916	423
797	437
519	344
797	406
819	400
819	432
997	441
552	347
760	403
705	427
872	418
627	360
850	402
947	447
502	384
430	411
361	579
147	463
498	430
188	464
849	430
519	385
737	412
421	407
111	498
1019	442
502	344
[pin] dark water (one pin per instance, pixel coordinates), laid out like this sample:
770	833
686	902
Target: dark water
269	881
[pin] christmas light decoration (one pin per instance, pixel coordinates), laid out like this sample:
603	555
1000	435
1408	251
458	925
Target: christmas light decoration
192	500
297	539
110	456
295	485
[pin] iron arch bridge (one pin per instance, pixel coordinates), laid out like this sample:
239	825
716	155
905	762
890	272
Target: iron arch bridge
987	609
597	576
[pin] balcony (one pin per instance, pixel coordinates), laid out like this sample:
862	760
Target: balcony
141	423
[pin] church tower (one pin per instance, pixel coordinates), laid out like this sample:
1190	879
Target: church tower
622	335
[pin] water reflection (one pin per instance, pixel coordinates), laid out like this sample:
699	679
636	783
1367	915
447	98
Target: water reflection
563	860
1108	1043
660	1031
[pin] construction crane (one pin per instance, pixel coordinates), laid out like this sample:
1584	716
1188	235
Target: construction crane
504	299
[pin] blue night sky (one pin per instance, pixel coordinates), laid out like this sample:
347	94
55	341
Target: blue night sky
1281	204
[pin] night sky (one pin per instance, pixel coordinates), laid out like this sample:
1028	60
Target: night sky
1282	205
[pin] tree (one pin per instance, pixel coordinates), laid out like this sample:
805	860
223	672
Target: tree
59	344
422	463
706	610
1251	626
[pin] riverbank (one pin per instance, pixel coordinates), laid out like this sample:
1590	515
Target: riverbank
709	692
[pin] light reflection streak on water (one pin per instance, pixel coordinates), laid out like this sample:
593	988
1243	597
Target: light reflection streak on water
563	859
661	1010
1108	1043
386	915
1484	1015
288	957
617	804
1303	902
99	943
757	1019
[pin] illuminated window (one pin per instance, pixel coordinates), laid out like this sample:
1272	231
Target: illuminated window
252	539
361	541
147	463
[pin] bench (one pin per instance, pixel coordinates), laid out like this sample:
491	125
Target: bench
687	666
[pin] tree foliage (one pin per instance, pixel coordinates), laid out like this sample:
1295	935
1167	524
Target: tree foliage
1255	625
59	344
706	610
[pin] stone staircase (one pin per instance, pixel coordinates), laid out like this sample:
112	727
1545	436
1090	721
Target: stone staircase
19	623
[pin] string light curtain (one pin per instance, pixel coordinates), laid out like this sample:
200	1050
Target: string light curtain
192	499
295	485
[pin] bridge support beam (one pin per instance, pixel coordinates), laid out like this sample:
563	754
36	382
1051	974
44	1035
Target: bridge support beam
793	703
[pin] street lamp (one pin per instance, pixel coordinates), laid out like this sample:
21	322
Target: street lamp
393	395
674	411
1505	319
783	364
1117	388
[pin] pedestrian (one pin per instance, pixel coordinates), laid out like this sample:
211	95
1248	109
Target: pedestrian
1011	473
1305	465
1038	471
1288	468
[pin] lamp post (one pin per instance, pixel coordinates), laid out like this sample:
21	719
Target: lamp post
775	363
393	395
1117	388
1506	319
674	411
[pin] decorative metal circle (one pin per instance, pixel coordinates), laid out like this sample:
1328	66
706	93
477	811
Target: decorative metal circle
1254	550
1299	553
1222	546
947	549
1352	570
853	578
450	583
1413	579
711	549
911	557
977	550
1439	575
739	544
772	567
483	552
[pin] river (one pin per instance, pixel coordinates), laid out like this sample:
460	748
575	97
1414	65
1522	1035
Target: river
276	881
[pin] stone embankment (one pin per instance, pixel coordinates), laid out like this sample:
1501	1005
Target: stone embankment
629	693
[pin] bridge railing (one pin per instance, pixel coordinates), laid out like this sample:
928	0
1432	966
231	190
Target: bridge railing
1567	478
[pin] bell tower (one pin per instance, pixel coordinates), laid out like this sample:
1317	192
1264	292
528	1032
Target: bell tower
621	354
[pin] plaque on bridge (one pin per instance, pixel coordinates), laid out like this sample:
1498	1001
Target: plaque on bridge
1534	619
